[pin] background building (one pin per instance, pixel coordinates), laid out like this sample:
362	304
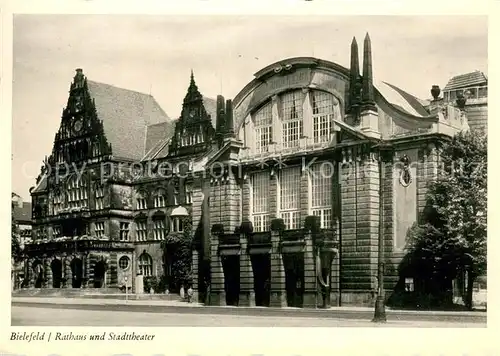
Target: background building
286	189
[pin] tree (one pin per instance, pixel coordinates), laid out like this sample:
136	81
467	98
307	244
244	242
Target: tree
451	237
177	250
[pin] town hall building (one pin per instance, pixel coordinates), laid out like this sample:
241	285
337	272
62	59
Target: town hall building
286	188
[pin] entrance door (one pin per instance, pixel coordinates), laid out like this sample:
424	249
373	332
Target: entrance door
261	265
56	267
77	272
231	267
294	278
99	271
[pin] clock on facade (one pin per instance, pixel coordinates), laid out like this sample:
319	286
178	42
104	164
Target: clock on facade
77	126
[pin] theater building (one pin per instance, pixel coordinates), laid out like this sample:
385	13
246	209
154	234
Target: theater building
287	187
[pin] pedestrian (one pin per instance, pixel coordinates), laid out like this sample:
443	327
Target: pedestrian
190	294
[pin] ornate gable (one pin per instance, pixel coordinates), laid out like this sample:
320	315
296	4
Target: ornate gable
194	132
81	134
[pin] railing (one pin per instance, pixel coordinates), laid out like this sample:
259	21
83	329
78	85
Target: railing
259	238
276	150
76	245
229	239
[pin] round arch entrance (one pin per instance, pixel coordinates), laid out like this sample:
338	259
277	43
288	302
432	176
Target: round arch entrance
56	267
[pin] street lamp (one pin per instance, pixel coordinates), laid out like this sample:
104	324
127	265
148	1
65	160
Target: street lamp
379	316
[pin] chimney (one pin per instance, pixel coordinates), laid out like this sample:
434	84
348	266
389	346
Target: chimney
220	115
229	118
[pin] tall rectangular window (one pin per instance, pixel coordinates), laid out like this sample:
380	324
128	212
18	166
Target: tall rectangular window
141	230
159	229
292	117
321	193
99	198
188	190
290	197
322	105
124	229
264	128
99	229
260	196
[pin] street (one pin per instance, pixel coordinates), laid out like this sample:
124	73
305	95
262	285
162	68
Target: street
29	315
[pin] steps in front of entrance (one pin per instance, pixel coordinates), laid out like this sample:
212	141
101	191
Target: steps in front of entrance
90	293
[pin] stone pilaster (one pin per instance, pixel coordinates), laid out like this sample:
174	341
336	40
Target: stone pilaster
217	290
247	292
304	197
278	291
307	113
195	273
310	285
112	270
277	124
246	200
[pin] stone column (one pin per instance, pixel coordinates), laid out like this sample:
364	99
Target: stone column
112	280
278	291
247	292
68	273
217	290
310	285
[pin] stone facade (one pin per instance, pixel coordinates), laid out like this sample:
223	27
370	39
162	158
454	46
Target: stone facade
266	229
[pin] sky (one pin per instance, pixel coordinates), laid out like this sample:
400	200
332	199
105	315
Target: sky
155	54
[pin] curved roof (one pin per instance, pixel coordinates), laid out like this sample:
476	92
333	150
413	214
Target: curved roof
394	95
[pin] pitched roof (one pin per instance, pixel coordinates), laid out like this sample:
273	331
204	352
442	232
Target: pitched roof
466	80
157	133
22	214
125	115
41	185
211	108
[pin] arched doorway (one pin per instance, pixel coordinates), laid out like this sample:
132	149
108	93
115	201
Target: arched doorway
99	272
77	272
38	273
56	267
294	278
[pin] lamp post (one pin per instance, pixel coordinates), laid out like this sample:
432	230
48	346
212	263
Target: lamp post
379	315
126	288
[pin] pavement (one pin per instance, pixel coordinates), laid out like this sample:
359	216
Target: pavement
47	316
199	311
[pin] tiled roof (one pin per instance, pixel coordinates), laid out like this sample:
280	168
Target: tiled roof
22	214
211	108
466	80
157	133
125	115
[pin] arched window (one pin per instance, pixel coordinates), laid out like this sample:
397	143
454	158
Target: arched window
77	192
145	265
292	118
159	198
141	201
99	197
323	111
263	128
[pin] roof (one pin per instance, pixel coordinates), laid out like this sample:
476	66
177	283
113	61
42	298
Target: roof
401	99
41	186
466	80
22	214
157	133
125	115
211	108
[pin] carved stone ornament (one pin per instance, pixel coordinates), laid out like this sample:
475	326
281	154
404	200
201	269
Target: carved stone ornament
405	177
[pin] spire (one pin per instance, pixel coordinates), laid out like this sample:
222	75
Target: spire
368	94
354	71
193	94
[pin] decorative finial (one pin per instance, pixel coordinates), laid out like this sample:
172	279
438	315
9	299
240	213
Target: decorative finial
435	91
